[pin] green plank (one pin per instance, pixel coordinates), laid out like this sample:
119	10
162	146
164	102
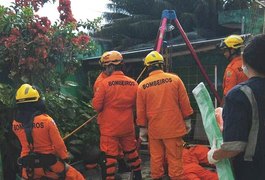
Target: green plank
212	130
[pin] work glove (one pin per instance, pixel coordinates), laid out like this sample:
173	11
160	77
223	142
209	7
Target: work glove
143	134
210	153
188	125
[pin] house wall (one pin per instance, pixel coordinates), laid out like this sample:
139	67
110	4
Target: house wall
246	20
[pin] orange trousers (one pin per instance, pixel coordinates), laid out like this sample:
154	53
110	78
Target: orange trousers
171	149
192	158
194	171
112	146
71	173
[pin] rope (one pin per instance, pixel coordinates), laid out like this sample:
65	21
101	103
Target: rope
140	74
89	120
77	129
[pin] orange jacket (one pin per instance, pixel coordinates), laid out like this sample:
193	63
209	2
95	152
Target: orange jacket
233	74
193	158
46	137
100	78
196	154
163	103
115	100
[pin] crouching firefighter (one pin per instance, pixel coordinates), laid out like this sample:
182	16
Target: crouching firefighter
43	153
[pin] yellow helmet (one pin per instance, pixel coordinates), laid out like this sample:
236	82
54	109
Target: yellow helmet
111	57
232	41
26	93
104	56
153	57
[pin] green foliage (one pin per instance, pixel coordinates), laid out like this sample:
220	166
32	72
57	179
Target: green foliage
69	113
34	51
135	22
138	21
40	53
9	146
236	4
6	96
6	106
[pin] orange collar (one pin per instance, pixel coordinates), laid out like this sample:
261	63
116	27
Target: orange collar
117	73
155	72
237	58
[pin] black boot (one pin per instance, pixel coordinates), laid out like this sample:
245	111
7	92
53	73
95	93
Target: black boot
122	166
137	175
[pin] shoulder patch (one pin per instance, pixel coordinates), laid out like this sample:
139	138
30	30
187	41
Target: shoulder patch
228	73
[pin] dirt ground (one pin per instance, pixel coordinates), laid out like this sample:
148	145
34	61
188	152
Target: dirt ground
94	174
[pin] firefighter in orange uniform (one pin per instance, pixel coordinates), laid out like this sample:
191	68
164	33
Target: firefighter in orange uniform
100	78
233	75
115	100
43	152
103	74
193	158
163	106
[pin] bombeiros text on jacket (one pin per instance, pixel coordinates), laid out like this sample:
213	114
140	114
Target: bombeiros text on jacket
157	82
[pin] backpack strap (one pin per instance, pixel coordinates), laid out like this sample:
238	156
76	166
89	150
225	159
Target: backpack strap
253	133
43	160
28	130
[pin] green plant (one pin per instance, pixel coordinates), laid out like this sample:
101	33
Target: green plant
69	113
9	146
37	52
32	50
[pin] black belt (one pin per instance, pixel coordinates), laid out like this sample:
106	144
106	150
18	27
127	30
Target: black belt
37	160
